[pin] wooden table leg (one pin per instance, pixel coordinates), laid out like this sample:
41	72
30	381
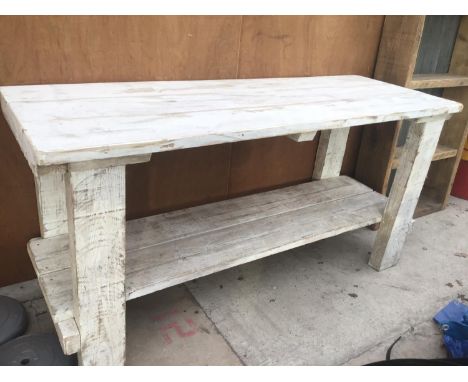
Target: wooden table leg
96	224
330	153
52	212
51	201
409	179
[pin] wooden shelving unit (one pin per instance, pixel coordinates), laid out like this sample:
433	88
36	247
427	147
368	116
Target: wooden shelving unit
437	81
429	54
442	152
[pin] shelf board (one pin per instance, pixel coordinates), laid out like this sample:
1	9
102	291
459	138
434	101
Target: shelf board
442	152
432	81
428	203
176	247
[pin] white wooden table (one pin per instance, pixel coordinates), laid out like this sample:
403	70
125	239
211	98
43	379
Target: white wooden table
78	139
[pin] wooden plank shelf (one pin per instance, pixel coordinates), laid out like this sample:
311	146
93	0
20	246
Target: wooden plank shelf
442	152
176	247
438	80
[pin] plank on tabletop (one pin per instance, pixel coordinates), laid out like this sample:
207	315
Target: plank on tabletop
188	115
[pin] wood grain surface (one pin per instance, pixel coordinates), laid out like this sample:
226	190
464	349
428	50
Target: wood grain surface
60	124
178	246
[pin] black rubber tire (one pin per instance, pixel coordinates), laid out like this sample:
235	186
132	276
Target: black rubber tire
13	319
35	350
422	362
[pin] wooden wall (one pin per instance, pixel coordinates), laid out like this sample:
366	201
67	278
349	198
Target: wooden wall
38	50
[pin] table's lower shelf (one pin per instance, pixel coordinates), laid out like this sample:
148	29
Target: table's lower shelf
175	247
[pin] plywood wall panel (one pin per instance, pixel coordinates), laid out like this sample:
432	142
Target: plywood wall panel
56	49
268	163
18	210
293	46
178	179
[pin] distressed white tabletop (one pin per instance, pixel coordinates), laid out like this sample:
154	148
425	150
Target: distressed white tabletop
57	124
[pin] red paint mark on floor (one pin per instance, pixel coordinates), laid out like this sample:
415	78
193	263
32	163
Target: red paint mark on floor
165	330
178	326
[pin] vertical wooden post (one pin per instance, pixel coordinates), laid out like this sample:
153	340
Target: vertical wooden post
330	153
96	208
51	200
409	179
396	59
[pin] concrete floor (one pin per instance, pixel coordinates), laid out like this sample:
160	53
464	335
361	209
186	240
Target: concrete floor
316	305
